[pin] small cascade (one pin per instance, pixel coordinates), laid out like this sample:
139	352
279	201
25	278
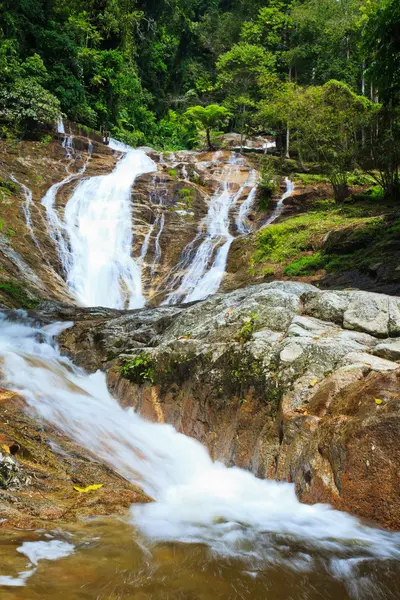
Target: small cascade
242	220
146	242
55	225
157	252
68	145
60	126
98	221
203	271
27	209
281	203
229	510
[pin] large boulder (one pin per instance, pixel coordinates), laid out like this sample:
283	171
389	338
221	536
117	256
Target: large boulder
283	379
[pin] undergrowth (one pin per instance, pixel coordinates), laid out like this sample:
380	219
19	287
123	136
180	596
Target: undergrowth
298	247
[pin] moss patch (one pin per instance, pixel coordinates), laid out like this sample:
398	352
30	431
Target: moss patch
18	294
297	245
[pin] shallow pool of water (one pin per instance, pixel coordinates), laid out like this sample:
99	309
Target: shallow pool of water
110	561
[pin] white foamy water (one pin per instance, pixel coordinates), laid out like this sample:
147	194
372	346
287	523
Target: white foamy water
280	205
242	221
55	224
49	550
197	501
98	220
203	271
36	551
27	209
60	126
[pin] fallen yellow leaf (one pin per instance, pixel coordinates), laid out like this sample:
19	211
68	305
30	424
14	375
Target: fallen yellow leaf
314	382
89	488
378	401
6	448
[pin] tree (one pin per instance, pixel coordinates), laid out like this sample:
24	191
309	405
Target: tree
209	118
242	71
382	41
26	104
380	155
326	122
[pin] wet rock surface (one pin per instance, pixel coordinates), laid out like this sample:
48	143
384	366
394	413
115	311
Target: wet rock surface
291	382
40	468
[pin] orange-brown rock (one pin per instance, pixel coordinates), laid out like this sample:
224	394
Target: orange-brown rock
39	468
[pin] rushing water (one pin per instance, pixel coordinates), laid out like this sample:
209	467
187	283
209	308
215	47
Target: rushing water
55	225
258	525
204	270
95	234
281	203
98	221
242	220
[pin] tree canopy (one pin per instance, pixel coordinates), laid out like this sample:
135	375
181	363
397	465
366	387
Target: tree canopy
138	67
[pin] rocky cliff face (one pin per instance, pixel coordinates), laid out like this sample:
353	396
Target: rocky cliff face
282	379
290	382
169	209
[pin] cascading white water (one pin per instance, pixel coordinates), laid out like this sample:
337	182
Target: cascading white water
280	205
197	501
98	220
55	225
60	126
242	220
200	279
27	209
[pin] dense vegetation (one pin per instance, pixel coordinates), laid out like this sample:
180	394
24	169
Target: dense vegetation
322	74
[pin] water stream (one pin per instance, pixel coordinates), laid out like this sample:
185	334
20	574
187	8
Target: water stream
98	220
235	518
281	203
203	271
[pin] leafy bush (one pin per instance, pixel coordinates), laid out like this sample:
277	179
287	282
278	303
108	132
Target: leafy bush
26	104
138	369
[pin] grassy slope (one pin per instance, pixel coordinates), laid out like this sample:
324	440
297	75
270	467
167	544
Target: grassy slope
297	246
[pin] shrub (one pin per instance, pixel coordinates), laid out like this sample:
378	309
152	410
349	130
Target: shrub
138	369
26	104
246	333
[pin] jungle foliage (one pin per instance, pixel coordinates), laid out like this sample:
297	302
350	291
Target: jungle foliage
271	66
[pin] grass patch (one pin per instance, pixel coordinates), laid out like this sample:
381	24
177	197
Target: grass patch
297	245
310	178
306	265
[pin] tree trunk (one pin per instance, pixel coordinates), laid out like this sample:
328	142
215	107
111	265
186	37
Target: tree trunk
243	126
287	142
210	146
287	128
341	191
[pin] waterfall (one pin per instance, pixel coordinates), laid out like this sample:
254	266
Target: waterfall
27	209
197	501
68	145
280	205
157	247
242	220
60	126
98	220
55	225
201	279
